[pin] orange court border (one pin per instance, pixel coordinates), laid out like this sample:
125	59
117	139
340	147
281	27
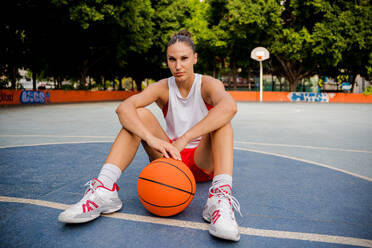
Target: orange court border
16	97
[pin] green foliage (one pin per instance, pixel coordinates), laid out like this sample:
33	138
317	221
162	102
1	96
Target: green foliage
368	91
65	39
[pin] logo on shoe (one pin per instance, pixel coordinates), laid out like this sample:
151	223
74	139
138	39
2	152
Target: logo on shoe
215	216
87	206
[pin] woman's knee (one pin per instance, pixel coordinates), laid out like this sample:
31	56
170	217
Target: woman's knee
145	115
225	129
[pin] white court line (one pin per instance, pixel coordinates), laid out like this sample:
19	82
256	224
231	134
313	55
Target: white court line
306	147
238	142
58	143
54	136
313	237
306	161
236	148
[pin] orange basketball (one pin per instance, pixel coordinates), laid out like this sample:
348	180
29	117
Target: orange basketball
166	186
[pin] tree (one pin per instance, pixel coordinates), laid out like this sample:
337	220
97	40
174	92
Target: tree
346	33
111	32
323	37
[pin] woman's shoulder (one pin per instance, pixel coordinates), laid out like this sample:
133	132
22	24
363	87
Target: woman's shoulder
161	84
209	81
162	89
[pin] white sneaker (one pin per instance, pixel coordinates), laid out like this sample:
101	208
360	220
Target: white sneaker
219	211
97	199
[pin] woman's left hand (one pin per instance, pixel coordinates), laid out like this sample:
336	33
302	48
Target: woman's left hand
180	143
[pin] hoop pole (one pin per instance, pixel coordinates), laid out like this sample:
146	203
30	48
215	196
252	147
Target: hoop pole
261	84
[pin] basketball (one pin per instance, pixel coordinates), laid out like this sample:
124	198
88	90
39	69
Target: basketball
166	186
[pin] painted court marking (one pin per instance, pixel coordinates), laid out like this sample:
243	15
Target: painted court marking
305	161
203	226
235	147
57	143
53	136
306	147
238	142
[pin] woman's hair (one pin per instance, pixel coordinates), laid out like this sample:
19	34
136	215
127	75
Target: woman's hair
182	36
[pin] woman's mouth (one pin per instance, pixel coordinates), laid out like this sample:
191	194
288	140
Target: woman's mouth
179	74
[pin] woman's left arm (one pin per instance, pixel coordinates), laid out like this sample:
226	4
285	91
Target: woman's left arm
224	109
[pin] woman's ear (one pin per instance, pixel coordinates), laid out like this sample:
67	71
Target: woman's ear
195	58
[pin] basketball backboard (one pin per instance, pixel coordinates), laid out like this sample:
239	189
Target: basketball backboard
260	54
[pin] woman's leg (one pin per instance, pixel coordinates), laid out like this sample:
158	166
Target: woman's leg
102	196
126	144
215	151
215	155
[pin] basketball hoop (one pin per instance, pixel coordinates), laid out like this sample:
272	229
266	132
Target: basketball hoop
260	54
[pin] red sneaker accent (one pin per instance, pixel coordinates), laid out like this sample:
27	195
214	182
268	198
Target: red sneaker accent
215	216
221	188
114	187
228	190
87	207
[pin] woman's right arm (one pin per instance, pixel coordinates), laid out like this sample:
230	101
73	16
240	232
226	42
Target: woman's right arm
129	119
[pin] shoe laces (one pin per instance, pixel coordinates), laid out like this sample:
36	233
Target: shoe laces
90	186
216	191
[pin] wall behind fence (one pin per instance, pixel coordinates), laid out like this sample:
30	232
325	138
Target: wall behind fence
11	97
14	97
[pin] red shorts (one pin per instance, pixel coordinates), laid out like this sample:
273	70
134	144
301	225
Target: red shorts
200	175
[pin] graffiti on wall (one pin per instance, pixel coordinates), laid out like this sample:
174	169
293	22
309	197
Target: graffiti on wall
309	97
33	97
4	97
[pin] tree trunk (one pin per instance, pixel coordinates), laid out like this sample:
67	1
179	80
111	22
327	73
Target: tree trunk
120	85
293	71
293	86
138	79
59	82
214	65
234	70
303	86
14	77
84	73
281	84
104	83
34	80
353	83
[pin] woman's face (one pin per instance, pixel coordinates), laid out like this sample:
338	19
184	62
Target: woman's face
181	60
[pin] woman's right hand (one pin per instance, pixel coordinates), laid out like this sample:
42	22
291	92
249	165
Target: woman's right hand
167	149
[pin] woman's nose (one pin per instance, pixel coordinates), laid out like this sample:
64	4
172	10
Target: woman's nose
178	65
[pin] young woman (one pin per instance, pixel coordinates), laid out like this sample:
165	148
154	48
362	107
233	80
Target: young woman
197	111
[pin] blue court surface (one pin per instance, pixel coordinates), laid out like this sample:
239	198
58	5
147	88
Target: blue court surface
302	175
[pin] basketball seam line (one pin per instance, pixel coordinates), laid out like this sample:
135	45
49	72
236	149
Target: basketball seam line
179	170
159	206
166	185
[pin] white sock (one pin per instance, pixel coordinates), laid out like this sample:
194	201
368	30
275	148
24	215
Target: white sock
223	179
109	175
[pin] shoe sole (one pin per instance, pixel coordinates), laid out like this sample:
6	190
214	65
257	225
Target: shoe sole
219	235
112	210
224	236
93	217
207	218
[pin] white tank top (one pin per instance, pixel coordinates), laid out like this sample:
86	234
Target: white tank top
184	113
